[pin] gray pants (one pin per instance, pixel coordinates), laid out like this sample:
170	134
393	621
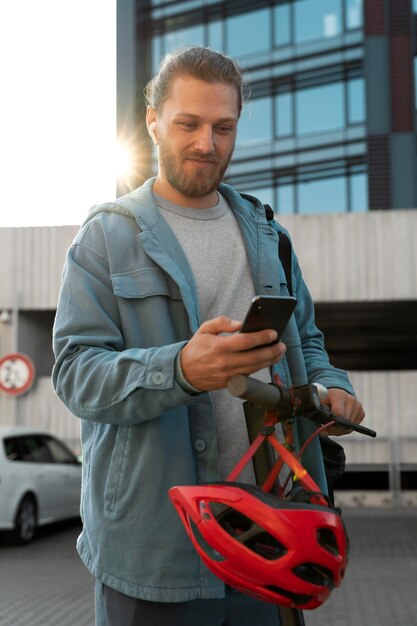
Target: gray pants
236	609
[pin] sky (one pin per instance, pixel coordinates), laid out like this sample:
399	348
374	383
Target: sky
58	153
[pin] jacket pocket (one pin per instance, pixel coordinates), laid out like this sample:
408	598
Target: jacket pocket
115	496
144	282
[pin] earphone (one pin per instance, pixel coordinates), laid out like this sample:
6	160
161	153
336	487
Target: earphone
152	132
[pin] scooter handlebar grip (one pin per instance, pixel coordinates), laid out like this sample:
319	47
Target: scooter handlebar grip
264	395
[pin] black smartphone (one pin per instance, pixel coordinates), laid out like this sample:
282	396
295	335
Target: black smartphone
269	312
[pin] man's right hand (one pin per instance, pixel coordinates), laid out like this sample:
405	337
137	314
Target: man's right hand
210	358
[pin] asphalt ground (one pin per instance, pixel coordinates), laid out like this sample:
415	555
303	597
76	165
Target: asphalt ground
45	583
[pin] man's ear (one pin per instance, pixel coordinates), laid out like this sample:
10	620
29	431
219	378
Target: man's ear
152	132
151	123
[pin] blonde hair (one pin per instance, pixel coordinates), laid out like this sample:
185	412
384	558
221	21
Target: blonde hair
198	62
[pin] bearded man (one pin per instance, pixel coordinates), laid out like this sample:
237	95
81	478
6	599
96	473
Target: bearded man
154	290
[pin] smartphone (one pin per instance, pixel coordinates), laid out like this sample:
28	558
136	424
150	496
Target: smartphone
269	312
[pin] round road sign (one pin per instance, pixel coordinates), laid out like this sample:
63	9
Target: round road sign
17	373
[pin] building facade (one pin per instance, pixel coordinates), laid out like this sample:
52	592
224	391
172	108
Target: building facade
330	124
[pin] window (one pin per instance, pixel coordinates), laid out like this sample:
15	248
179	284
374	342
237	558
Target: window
308	191
282	23
157	53
353	14
255	124
323	108
255	31
215	35
265	194
317	19
177	39
285	199
284	114
359	192
59	453
356	100
320	109
12	449
240	31
35	449
327	195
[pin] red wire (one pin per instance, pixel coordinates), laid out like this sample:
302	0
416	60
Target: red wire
304	446
316	432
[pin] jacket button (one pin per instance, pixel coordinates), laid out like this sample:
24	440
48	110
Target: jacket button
200	445
158	378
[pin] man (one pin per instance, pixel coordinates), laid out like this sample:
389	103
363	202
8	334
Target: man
154	290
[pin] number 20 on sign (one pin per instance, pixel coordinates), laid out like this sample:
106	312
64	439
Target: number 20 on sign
17	373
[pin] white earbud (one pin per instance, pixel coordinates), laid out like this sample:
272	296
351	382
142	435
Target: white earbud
152	132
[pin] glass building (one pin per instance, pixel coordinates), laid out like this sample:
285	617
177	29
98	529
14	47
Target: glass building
330	123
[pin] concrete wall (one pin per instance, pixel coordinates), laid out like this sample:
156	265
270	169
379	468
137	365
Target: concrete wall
345	257
360	257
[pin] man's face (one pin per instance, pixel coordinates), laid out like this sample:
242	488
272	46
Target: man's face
196	133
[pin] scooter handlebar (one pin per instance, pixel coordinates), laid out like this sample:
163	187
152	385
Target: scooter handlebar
305	401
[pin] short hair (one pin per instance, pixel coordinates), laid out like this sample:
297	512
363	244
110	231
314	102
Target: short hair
198	62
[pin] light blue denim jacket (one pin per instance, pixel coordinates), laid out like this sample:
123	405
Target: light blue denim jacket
128	304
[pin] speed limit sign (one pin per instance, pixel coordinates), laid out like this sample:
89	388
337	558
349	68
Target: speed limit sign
17	373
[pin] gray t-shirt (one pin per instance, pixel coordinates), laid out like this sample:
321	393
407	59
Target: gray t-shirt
212	241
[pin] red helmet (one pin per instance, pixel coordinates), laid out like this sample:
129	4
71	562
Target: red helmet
281	550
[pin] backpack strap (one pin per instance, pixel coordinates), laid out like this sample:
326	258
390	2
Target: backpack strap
333	453
284	249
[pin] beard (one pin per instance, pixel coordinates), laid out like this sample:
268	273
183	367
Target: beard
191	180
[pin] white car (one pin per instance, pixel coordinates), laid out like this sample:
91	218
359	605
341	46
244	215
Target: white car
40	481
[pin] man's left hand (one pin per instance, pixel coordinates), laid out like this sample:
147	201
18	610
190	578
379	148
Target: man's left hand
343	405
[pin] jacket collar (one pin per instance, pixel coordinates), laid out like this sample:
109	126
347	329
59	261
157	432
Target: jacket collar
142	204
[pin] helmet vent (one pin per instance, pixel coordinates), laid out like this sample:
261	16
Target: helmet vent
296	598
211	552
266	546
244	530
327	540
314	574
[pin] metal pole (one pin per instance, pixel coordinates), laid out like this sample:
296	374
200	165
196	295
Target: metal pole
263	461
15	314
